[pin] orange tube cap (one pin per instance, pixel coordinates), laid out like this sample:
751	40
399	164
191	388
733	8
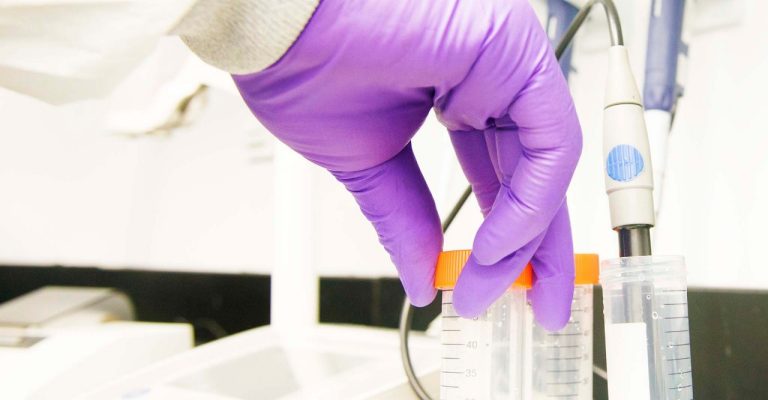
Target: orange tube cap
450	263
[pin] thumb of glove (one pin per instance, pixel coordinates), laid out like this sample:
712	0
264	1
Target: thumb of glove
395	198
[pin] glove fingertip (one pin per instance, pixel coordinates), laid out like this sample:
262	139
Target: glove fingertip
479	286
468	301
417	271
421	297
468	305
551	300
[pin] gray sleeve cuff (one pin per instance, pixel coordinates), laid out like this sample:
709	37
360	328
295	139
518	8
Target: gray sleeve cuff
244	36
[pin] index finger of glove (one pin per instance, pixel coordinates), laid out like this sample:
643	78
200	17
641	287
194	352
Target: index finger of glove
543	126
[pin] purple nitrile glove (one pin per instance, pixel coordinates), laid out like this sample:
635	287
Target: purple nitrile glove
358	83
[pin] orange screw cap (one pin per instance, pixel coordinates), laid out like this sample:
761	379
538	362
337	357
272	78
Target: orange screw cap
450	263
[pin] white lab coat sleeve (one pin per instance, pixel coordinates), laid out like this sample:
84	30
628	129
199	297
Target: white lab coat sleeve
66	50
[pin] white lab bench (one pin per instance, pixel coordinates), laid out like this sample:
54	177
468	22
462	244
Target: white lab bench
59	342
330	362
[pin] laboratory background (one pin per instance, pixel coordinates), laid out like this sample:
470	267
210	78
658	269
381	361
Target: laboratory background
157	242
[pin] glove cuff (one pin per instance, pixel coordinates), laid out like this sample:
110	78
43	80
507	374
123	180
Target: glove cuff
244	36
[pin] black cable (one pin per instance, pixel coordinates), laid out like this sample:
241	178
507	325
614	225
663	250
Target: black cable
614	25
456	208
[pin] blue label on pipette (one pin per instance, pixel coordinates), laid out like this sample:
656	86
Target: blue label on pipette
624	163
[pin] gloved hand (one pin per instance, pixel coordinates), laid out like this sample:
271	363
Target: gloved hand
356	86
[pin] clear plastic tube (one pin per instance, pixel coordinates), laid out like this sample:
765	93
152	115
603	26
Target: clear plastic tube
562	360
646	328
483	357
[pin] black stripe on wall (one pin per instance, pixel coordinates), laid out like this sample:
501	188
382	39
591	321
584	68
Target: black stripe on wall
215	304
729	344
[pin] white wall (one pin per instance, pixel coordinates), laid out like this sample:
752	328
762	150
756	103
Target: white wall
74	194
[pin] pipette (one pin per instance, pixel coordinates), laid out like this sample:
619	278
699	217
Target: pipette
660	90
